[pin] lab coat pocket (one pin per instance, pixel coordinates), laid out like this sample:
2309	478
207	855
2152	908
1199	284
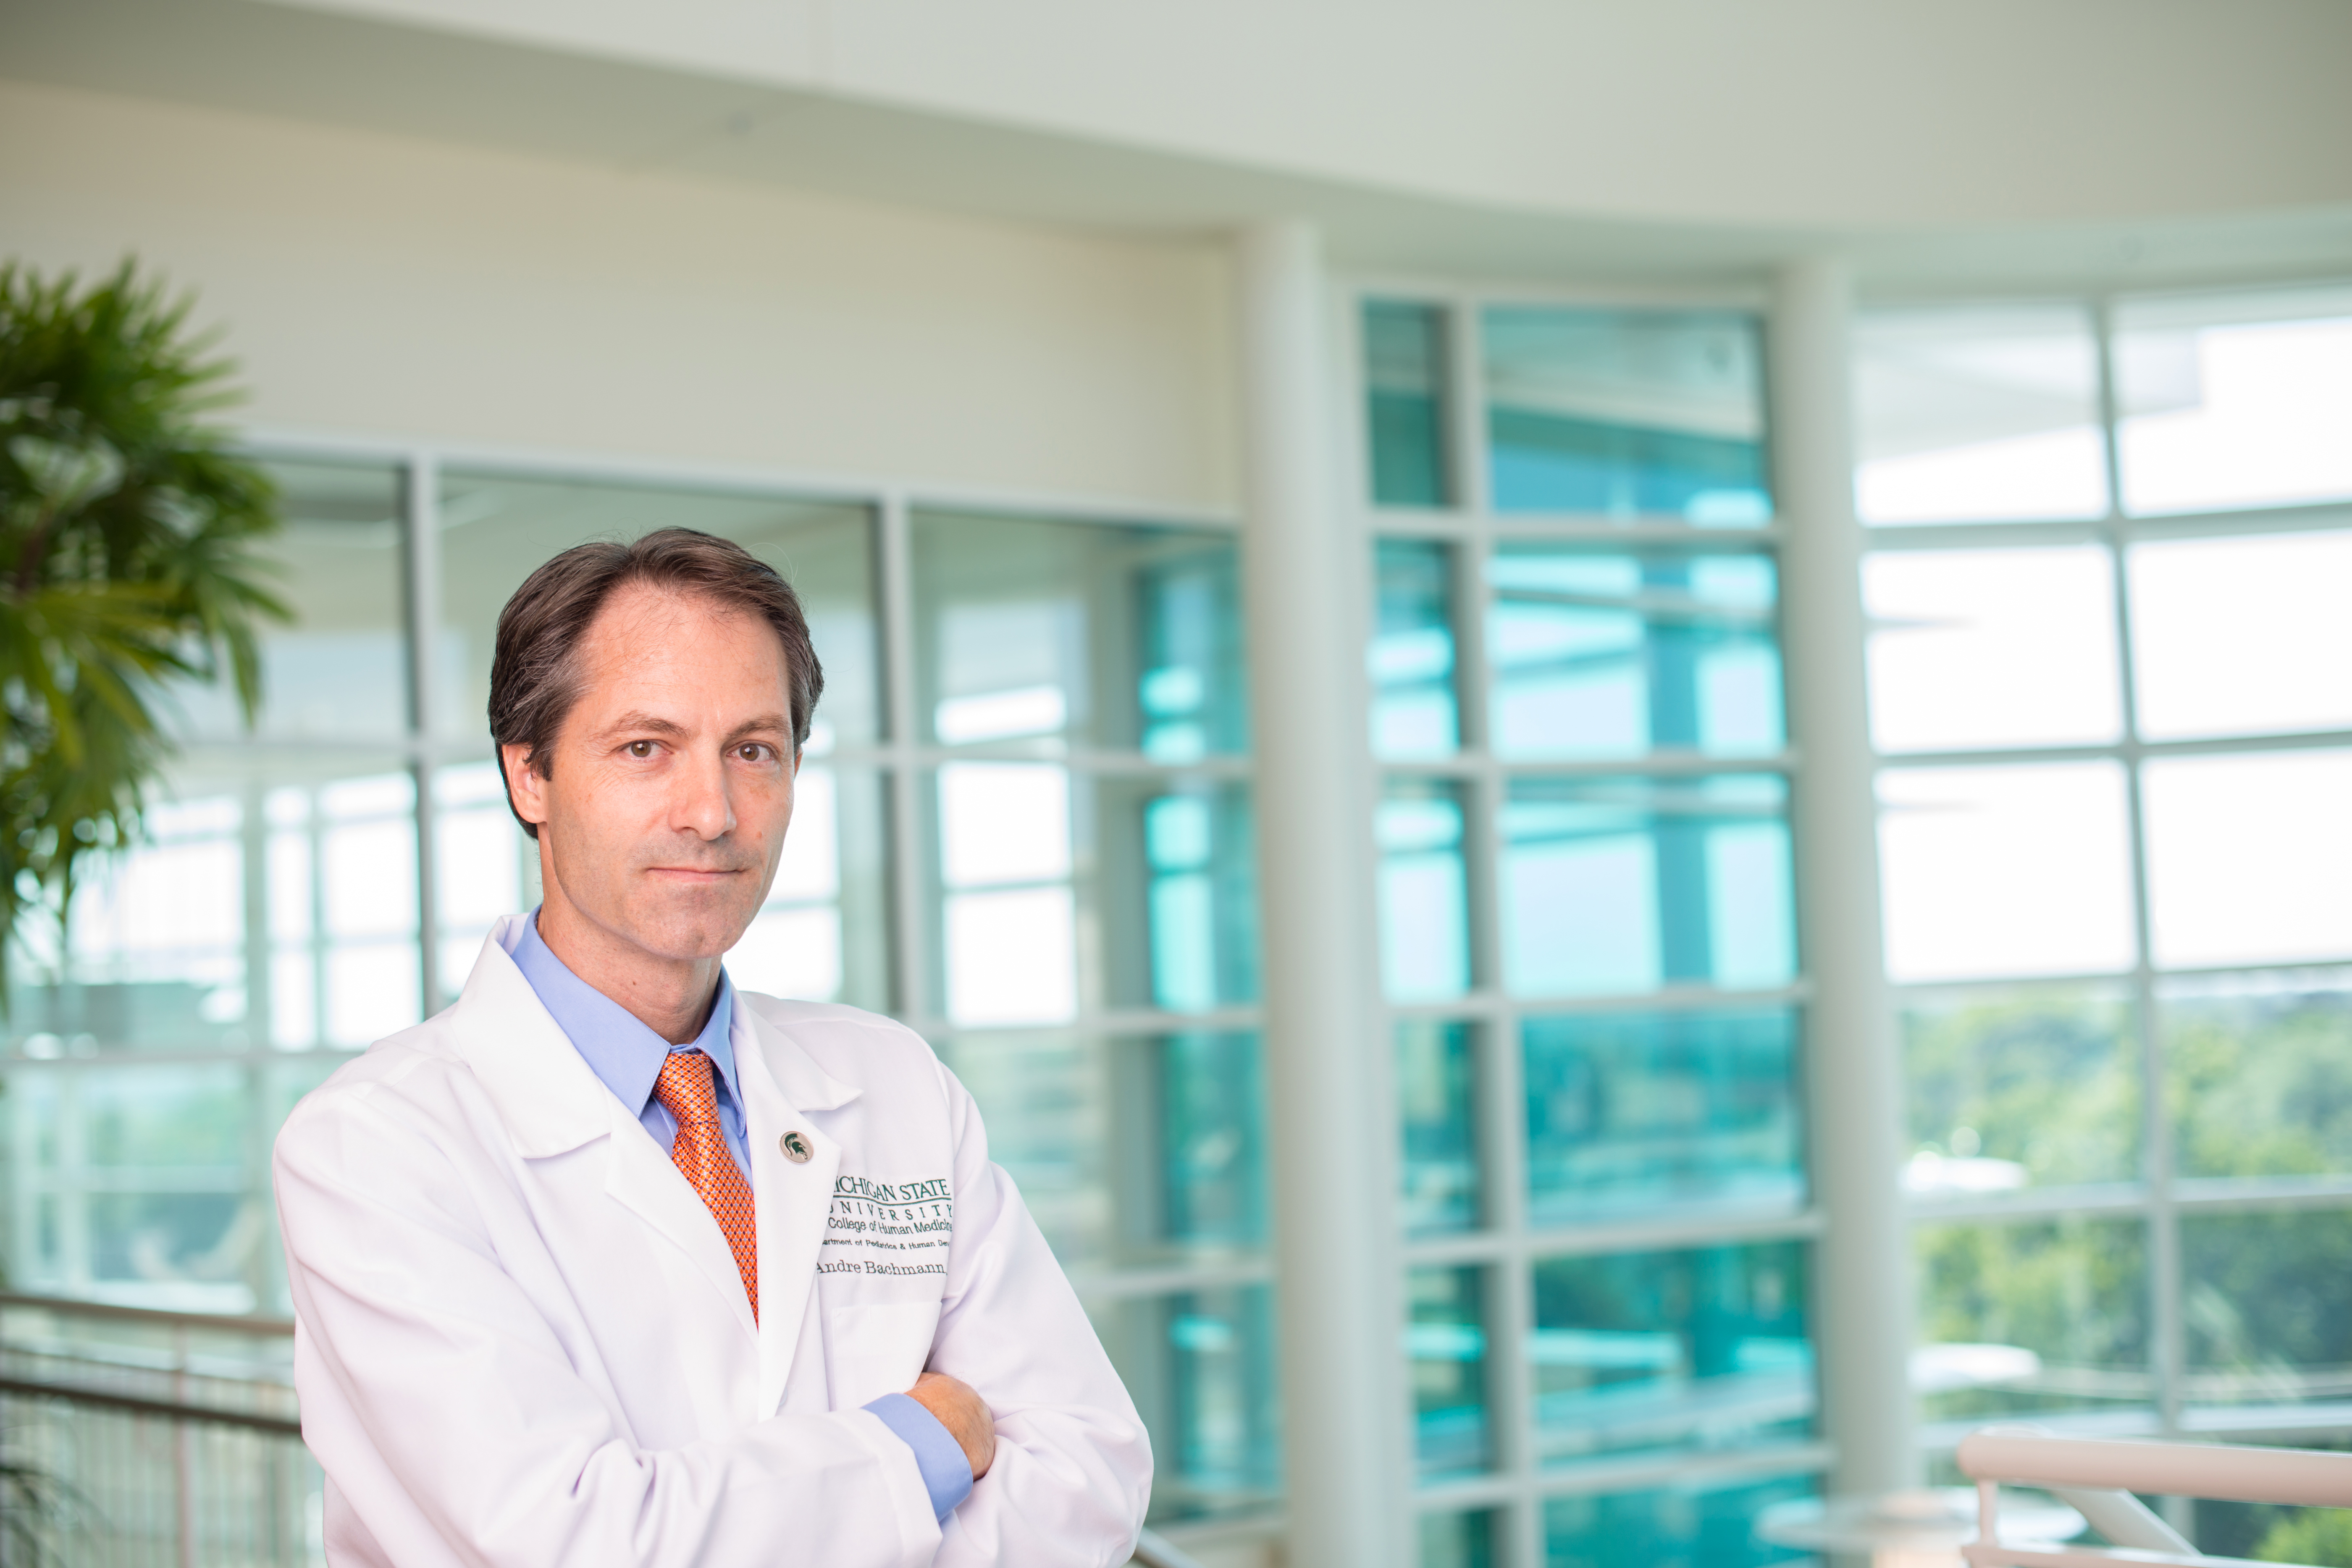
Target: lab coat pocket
874	1349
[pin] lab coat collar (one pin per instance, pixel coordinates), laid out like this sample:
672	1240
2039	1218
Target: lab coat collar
550	1099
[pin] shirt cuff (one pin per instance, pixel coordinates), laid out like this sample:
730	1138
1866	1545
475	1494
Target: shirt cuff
946	1474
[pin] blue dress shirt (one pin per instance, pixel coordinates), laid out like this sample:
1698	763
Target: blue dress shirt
627	1057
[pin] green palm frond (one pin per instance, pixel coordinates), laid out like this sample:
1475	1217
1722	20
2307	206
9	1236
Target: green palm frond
131	556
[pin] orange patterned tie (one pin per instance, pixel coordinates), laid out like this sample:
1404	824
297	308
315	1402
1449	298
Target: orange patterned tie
699	1151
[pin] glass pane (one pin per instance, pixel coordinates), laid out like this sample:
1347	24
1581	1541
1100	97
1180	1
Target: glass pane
1707	1521
1161	872
339	671
2071	1293
146	1182
2250	858
1615	655
1424	894
495	532
2006	870
2269	1534
485	867
2263	1295
1992	647
1411	659
1625	885
1405	403
1072	633
1656	1110
2242	637
1457	1540
821	936
2234	400
1655	415
1978	415
1201	1370
1448	1344
1646	1350
1129	1151
274	898
2259	1074
2020	1089
1436	1098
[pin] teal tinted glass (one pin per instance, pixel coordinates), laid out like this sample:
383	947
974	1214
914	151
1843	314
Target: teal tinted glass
1404	397
2261	1076
2263	1298
1053	634
1446	1342
1159	875
1457	1539
1654	414
1706	1522
1211	1145
1200	1367
1423	891
1412	657
1048	1100
1621	886
1615	655
1199	875
1436	1088
1656	1110
1129	1151
1647	1350
2073	1293
2036	1088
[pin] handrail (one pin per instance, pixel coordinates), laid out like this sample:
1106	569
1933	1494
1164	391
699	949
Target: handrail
167	1409
2303	1477
1153	1549
251	1323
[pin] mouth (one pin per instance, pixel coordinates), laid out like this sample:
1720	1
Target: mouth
694	876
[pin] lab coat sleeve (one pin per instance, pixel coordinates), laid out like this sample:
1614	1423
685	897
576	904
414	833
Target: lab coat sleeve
1073	1468
455	1427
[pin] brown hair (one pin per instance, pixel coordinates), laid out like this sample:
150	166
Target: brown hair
535	672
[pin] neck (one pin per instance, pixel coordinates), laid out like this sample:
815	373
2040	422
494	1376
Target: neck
671	996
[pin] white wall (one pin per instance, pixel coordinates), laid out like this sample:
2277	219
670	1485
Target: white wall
1797	112
382	286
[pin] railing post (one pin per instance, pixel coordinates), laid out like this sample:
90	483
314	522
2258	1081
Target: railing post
184	1490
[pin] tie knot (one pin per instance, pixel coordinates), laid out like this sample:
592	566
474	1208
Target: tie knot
684	1086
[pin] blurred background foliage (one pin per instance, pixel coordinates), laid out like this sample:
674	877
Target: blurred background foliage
128	561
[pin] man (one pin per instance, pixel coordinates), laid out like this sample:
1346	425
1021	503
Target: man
613	1263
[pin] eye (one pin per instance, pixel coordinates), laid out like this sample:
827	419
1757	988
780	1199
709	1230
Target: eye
752	752
641	749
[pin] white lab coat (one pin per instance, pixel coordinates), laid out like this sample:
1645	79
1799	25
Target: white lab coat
522	1339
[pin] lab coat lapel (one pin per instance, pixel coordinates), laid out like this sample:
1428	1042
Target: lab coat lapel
791	1199
551	1102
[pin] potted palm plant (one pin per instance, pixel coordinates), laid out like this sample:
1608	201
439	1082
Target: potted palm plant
130	536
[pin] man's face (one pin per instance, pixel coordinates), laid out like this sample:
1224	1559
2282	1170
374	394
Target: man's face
671	781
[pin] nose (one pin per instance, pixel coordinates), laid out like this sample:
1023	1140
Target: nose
702	805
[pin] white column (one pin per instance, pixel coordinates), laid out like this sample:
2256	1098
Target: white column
1332	1125
1862	1304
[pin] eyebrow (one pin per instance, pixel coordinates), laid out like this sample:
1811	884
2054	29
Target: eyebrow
766	723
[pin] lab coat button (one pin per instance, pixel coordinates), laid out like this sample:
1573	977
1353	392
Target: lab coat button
795	1147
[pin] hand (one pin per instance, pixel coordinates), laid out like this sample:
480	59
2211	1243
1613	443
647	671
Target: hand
958	1406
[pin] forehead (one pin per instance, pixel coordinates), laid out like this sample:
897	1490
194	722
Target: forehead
647	641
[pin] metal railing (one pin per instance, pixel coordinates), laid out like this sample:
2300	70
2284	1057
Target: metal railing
152	1439
2097	1477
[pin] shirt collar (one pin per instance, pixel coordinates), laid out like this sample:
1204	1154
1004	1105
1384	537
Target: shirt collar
613	1041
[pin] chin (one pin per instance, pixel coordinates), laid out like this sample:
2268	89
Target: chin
692	933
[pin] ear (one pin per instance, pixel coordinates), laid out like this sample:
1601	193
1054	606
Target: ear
526	788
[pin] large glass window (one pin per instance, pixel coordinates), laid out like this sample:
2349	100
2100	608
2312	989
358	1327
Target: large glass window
2115	848
1588	932
1023	824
